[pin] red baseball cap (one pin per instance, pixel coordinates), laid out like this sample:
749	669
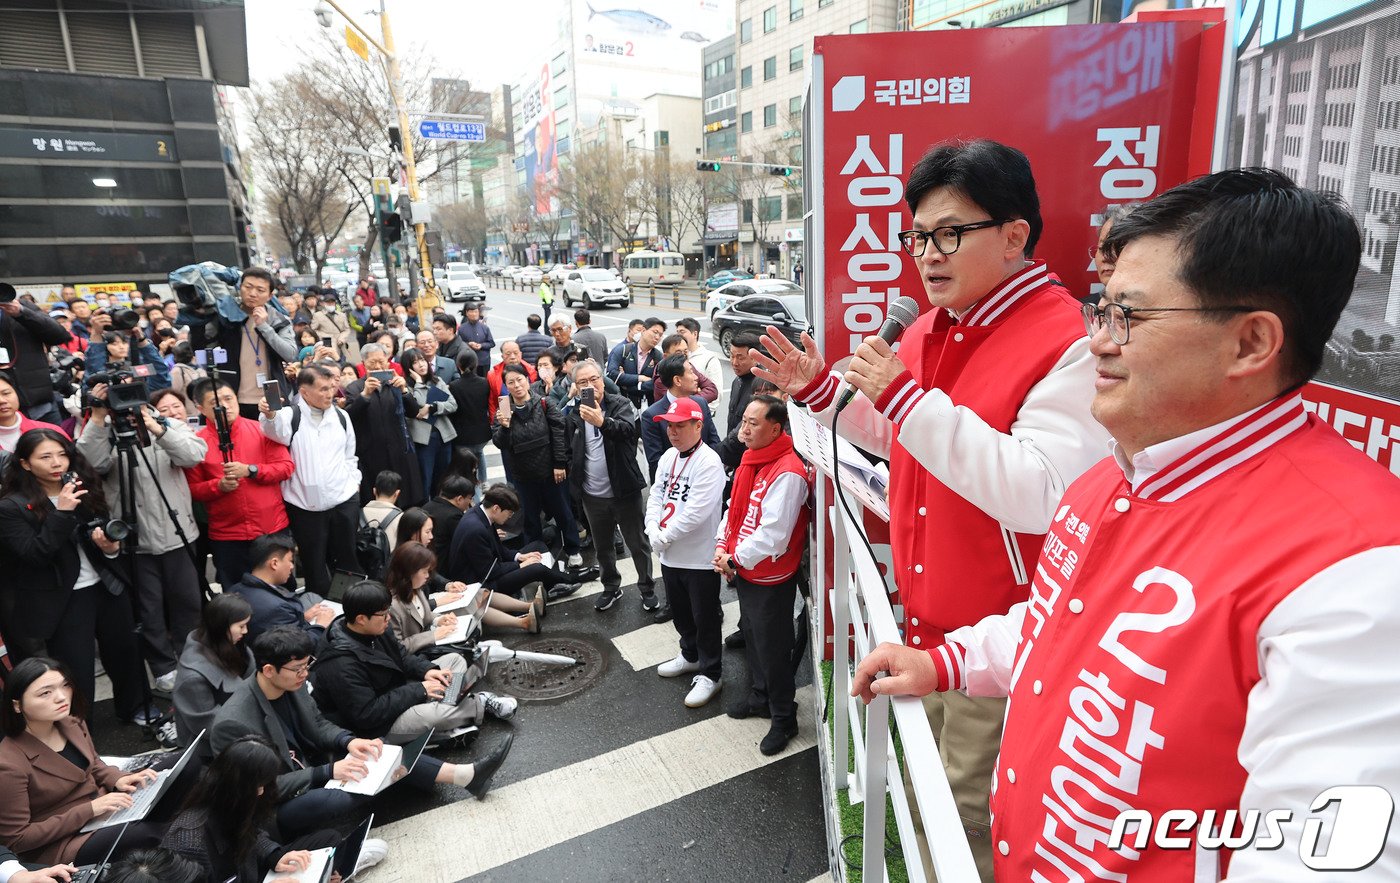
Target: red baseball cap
680	411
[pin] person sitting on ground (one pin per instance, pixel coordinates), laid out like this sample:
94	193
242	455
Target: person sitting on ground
454	498
214	661
311	750
223	826
383	510
11	871
265	589
154	866
479	556
417	526
52	778
367	682
411	571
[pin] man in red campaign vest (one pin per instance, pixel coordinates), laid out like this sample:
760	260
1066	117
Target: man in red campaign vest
759	547
984	416
1208	649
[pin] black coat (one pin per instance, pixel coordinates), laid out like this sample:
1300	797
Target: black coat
619	444
273	606
535	441
40	563
365	687
472	419
26	337
382	442
477	554
445	517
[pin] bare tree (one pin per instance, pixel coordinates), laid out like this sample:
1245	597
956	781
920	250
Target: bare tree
464	224
302	189
609	190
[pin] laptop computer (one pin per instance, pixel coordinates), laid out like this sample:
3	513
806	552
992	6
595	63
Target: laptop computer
340	581
145	799
347	855
93	873
319	871
379	773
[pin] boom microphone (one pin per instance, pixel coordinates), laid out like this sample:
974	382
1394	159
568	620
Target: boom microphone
902	314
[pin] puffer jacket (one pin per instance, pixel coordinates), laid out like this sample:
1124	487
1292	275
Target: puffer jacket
535	440
364	687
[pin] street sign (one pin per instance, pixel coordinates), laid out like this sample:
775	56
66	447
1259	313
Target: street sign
452	130
356	43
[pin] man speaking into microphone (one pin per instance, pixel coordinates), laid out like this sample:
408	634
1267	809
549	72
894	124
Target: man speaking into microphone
983	415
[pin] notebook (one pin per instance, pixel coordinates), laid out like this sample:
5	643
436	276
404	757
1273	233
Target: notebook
380	773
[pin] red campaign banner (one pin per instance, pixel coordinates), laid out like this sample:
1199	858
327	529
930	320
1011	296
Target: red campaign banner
1370	423
1107	114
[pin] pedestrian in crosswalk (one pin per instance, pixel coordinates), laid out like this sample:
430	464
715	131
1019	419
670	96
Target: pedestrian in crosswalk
683	514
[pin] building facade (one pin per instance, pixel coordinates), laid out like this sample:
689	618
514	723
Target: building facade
117	157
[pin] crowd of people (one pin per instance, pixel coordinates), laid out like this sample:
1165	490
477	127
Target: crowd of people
289	490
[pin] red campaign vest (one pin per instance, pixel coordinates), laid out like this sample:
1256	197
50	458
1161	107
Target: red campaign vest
951	560
1140	645
770	571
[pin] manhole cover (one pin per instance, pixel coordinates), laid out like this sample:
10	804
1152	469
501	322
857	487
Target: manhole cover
539	681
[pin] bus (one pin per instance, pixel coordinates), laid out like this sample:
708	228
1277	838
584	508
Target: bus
659	267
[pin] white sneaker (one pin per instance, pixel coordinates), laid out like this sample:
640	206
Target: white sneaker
575	561
499	706
674	668
371	853
702	690
165	683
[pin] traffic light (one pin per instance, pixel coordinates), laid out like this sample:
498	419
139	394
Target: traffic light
395	138
392	227
780	171
705	165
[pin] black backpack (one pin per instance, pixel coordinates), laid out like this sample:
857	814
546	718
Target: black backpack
372	544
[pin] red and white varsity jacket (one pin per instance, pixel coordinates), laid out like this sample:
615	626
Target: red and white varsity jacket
1216	633
984	431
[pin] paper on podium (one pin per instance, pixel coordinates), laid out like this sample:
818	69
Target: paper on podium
379	773
868	482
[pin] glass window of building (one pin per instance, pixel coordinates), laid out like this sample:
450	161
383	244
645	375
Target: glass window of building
770	208
795	105
746	122
794	206
859	27
770	115
748	211
770	19
746	30
794	10
770	67
746	77
795	58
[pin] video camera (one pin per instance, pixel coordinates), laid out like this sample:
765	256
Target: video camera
127	394
198	287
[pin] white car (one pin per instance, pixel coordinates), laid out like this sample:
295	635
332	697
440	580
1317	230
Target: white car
530	275
595	287
559	272
462	284
727	294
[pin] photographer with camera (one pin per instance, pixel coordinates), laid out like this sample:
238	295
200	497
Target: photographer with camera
25	334
256	334
124	349
64	590
166	590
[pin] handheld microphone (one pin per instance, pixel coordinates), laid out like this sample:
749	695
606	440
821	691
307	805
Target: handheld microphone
902	314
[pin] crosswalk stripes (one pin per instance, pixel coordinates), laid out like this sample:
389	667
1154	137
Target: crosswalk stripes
652	645
634	779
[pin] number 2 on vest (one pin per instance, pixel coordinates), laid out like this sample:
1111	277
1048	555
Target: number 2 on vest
1151	623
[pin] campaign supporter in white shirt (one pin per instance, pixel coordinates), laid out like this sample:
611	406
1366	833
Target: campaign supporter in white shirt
695	491
770	539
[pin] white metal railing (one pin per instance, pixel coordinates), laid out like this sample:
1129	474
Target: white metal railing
860	608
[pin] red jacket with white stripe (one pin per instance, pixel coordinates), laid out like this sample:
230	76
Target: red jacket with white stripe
1171	633
954	563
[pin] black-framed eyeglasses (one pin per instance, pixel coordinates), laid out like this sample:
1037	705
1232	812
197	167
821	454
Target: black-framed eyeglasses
946	239
1118	317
